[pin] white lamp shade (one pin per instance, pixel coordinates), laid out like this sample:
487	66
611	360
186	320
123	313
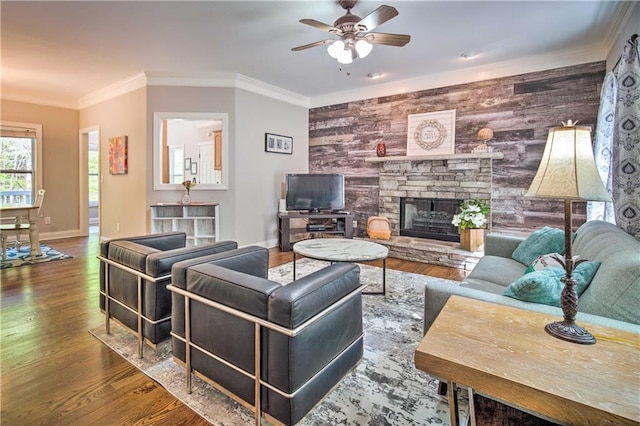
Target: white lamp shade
363	47
335	49
567	169
346	56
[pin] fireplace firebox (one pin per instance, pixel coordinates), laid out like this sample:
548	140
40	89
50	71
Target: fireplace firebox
429	218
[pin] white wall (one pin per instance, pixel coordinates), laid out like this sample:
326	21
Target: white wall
59	163
248	208
122	208
194	99
258	174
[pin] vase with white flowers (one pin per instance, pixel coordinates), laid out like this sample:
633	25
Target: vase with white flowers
188	184
472	220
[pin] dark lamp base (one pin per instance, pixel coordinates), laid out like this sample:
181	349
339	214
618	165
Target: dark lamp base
571	332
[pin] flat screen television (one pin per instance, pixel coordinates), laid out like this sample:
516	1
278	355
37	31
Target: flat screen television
315	192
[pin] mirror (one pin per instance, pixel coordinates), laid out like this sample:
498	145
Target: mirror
190	146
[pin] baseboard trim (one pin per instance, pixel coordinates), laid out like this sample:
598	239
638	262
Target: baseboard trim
59	235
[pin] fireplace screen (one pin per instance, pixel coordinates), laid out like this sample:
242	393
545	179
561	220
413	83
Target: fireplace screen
429	218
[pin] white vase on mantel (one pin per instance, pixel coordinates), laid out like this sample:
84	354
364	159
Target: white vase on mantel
186	199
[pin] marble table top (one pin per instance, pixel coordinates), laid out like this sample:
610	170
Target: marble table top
340	250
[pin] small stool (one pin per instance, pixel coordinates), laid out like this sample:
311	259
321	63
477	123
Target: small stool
378	228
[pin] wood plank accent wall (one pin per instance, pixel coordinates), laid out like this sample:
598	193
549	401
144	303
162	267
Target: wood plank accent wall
519	109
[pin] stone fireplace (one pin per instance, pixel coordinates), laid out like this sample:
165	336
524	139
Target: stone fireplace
451	177
433	185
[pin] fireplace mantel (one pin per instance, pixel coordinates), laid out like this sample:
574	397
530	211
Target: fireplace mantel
492	155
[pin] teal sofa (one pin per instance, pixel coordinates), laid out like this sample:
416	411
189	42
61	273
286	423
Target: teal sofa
612	298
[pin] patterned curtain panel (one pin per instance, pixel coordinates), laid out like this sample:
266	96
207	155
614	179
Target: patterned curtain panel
626	141
604	140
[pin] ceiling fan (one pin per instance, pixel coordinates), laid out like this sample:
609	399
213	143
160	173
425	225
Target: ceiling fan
356	40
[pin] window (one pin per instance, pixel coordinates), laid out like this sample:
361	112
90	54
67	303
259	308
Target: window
176	164
20	162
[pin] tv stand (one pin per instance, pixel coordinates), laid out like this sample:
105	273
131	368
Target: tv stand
343	225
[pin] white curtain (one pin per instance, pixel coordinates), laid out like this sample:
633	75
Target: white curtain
602	151
626	139
623	175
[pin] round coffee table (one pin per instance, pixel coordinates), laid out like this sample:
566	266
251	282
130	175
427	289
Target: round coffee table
343	250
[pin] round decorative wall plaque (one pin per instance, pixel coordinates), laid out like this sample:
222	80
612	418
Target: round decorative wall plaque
430	134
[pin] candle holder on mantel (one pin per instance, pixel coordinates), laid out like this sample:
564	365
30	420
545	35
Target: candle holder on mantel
381	149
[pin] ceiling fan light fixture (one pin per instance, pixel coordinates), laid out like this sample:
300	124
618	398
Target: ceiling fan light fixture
335	49
363	47
356	40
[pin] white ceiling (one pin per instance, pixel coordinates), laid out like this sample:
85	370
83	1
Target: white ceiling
60	52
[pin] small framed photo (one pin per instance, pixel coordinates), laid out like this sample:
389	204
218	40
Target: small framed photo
278	143
187	163
194	168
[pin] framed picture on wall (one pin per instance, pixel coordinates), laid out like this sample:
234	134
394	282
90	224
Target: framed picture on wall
278	143
118	156
187	163
194	168
431	133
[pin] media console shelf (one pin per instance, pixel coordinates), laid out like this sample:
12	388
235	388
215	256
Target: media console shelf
198	220
334	223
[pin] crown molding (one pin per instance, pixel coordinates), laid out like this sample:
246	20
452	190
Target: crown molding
129	84
621	16
232	80
463	76
271	91
140	80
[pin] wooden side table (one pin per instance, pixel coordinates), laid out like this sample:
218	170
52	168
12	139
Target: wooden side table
505	354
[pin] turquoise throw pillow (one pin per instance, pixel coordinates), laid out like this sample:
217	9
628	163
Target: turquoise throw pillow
545	287
543	241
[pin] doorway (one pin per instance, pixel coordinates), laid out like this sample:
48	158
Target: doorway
90	179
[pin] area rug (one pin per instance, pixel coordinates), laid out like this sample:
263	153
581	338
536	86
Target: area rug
384	389
22	256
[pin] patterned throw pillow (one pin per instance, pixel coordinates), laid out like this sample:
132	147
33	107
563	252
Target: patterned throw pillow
544	286
543	241
545	261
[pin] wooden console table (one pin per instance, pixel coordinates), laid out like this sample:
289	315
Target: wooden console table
505	354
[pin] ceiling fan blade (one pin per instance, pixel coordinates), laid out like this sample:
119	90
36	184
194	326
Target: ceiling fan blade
388	39
307	46
377	17
320	25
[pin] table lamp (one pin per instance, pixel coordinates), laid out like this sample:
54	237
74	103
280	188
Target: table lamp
568	171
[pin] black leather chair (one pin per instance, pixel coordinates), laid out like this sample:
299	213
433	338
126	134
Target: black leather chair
134	277
249	336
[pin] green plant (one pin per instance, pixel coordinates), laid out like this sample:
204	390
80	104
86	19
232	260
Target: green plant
473	214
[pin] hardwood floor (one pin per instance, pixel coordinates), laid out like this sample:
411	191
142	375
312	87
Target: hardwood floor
54	372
